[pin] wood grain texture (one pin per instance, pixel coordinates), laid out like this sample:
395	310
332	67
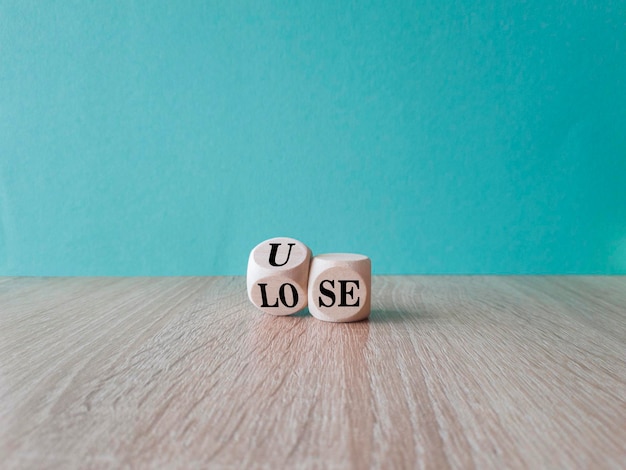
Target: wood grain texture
449	372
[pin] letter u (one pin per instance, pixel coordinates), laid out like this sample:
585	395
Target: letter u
274	252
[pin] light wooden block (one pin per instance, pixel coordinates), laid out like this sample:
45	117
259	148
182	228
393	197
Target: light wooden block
340	287
277	277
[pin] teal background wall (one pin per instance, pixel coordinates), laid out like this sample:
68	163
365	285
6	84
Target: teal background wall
167	138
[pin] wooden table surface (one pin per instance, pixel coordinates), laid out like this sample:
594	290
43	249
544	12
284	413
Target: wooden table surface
462	372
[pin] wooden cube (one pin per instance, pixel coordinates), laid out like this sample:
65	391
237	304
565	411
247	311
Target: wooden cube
277	277
340	287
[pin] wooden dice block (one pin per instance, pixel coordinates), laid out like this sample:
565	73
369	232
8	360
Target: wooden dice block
340	287
278	272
